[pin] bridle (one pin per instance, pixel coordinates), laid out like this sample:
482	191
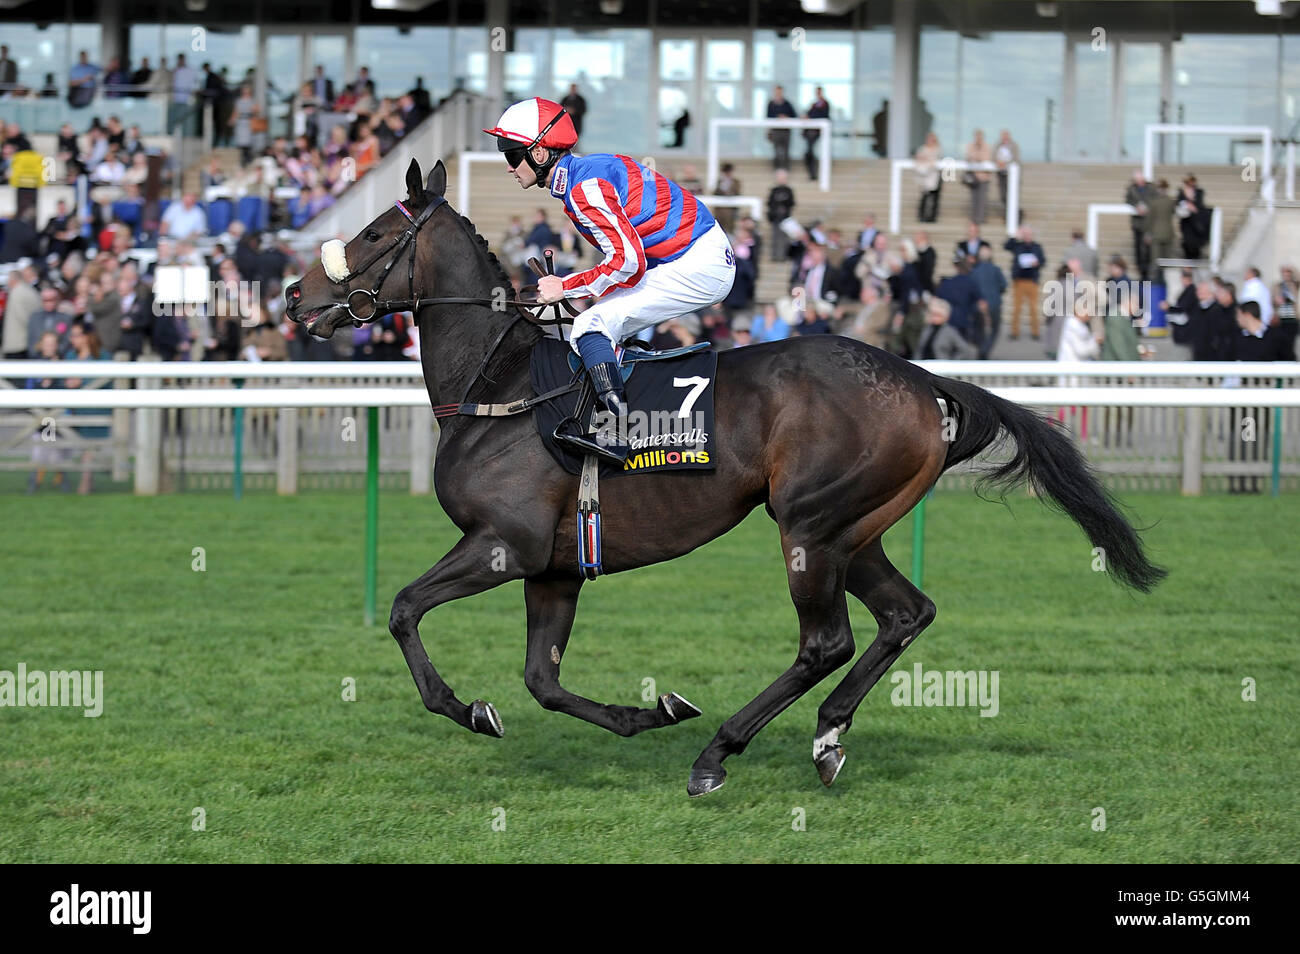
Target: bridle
413	303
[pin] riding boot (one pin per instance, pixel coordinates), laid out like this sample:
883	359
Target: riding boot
610	440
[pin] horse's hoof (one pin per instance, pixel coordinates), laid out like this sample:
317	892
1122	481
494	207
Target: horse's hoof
483	719
829	764
702	782
676	709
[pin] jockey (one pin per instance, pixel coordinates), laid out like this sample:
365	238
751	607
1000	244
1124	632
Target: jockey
664	254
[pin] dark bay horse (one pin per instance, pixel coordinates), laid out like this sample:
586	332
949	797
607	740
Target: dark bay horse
836	440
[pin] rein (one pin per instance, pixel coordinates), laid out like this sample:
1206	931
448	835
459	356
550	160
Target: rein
413	303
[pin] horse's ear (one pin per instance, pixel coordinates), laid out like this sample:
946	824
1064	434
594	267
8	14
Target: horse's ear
413	189
437	183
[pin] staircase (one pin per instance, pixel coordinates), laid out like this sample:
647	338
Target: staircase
1054	200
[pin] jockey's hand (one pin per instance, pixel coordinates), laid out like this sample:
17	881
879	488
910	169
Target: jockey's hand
550	288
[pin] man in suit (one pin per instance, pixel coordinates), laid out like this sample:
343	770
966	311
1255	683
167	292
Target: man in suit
8	71
820	109
1085	254
323	88
21	238
778	107
140	78
1138	194
1160	222
869	232
970	246
969	312
576	107
1254	341
780	204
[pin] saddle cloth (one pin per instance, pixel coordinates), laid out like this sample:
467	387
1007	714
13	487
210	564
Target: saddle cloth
670	406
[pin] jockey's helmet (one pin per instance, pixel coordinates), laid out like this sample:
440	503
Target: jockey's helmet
534	122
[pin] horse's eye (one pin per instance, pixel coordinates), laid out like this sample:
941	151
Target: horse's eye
372	236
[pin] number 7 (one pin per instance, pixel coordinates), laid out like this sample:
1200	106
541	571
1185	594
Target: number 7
697	386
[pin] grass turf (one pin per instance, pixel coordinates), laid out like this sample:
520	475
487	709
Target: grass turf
223	691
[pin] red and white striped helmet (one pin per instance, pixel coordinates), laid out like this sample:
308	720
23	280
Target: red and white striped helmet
526	123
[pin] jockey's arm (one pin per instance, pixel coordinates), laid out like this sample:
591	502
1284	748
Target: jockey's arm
596	205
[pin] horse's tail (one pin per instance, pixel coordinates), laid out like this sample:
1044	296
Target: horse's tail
1049	462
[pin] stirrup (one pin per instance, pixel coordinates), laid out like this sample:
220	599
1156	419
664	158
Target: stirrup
587	444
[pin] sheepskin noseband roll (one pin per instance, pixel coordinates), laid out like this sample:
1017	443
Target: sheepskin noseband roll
334	259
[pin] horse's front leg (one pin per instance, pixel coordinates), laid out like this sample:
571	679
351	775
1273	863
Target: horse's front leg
551	604
475	564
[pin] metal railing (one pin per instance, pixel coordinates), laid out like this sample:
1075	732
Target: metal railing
1143	425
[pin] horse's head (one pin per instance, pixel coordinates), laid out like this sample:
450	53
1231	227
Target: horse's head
355	280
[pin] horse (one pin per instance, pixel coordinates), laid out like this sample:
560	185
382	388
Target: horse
834	439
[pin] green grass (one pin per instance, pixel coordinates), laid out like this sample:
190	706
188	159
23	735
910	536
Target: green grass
223	691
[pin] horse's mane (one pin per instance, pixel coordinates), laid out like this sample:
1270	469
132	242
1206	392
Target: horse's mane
503	279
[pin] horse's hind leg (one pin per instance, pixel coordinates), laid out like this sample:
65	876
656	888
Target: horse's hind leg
551	605
470	567
902	612
825	644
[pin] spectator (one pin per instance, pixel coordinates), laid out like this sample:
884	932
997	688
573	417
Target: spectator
690	180
930	178
970	246
1077	342
1180	315
1222	325
184	219
1004	154
365	151
1160	223
742	288
926	260
1285	296
1122	303
968	313
728	184
420	96
8	72
1027	258
1194	218
21	240
1253	341
871	324
576	107
820	109
939	341
1138	195
741	333
992	283
978	179
142	79
136	319
115	79
773	324
82	81
907	305
322	87
21	302
185	82
49	320
160	84
778	107
816	279
1083	252
49	89
1254	289
265	342
814	315
46	454
780	206
84	345
867	236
